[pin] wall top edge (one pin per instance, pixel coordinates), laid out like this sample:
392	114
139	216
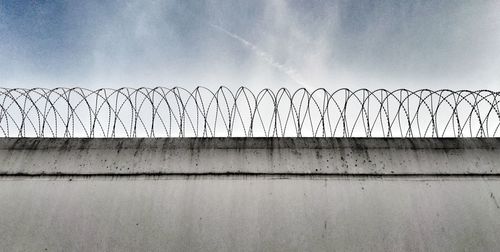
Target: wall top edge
247	143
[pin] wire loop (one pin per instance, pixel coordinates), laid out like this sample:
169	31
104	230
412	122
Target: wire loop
201	112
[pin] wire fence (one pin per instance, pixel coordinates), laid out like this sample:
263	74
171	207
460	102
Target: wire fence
201	112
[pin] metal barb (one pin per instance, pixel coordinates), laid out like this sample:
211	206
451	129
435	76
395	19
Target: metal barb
201	112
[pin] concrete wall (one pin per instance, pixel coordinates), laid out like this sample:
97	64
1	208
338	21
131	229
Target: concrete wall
250	194
250	155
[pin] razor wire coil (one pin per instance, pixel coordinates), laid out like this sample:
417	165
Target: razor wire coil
201	112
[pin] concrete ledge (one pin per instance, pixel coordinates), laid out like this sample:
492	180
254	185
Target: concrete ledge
367	156
247	143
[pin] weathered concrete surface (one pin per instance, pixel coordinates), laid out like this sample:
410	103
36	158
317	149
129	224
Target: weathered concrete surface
250	195
250	214
250	155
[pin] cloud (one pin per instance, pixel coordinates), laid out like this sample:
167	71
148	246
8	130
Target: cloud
332	44
291	73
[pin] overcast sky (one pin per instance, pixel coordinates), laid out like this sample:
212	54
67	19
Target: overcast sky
267	43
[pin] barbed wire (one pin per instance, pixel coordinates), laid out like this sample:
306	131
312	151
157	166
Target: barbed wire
201	112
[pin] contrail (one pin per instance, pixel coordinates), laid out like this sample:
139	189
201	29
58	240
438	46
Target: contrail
265	56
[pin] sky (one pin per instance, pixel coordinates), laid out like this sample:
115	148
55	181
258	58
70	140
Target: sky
259	44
